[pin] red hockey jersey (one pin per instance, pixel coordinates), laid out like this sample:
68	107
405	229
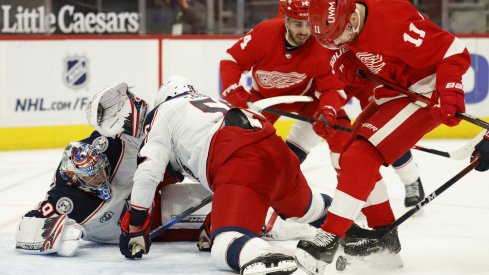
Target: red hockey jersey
402	47
275	70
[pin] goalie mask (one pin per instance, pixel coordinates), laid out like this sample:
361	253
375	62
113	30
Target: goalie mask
174	86
87	168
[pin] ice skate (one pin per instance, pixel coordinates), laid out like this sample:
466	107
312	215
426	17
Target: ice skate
414	193
272	263
380	253
314	255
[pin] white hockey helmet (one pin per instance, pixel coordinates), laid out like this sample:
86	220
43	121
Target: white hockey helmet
173	86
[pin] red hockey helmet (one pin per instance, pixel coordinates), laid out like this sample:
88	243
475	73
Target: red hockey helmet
329	18
297	9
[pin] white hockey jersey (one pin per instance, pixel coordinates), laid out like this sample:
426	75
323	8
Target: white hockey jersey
181	128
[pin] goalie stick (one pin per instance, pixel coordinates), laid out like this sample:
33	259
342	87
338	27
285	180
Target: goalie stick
459	154
359	232
180	217
419	97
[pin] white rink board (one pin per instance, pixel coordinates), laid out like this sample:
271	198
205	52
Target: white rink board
34	91
196	59
33	88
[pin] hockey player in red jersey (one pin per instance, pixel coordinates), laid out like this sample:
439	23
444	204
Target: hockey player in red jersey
394	42
236	154
284	60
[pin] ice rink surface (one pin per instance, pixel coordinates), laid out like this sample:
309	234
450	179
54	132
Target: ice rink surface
450	236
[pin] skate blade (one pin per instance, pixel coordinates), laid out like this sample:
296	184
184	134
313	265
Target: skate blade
378	261
282	268
308	263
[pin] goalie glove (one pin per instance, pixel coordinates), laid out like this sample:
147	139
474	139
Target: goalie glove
115	110
37	235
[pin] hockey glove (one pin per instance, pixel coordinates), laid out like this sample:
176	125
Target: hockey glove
345	65
236	95
482	148
325	118
133	244
115	110
205	241
451	102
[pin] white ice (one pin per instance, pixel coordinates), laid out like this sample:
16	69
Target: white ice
450	236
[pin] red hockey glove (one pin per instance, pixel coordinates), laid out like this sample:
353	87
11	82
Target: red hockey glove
345	65
136	243
451	102
482	149
325	118
236	95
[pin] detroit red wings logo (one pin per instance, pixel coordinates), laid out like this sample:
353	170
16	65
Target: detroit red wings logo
279	80
373	62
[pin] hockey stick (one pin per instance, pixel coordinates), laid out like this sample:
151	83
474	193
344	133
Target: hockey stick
419	98
180	217
459	154
259	105
264	106
302	118
359	232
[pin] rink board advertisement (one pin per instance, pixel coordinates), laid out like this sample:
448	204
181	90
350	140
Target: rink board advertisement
46	81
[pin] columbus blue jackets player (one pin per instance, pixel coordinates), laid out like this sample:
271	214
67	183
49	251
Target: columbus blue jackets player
92	183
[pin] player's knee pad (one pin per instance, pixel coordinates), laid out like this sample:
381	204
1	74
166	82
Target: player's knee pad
303	136
232	249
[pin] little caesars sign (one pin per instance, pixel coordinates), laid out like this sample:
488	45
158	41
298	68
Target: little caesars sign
20	20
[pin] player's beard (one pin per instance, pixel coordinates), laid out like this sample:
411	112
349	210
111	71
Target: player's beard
298	39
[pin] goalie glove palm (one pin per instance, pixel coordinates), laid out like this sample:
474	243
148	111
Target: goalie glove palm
115	110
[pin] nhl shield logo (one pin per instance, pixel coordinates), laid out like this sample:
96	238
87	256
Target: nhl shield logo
76	72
